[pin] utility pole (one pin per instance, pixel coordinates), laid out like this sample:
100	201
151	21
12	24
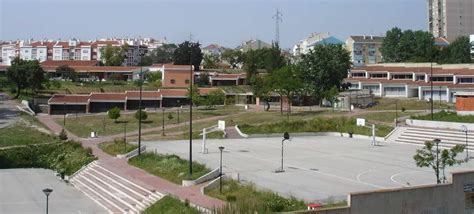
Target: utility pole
278	19
191	75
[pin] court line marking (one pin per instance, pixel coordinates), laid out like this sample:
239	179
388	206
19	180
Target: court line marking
404	173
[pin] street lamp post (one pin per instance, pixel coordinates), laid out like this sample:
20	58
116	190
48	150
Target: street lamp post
191	77
140	104
286	136
437	141
163	122
46	192
221	148
464	129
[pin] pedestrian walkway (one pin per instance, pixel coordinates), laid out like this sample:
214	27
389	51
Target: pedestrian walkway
136	175
232	133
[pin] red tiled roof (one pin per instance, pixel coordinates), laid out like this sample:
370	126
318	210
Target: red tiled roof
63	44
177	67
124	69
56	63
228	76
204	91
174	92
68	99
409	82
145	94
47	44
119	97
436	70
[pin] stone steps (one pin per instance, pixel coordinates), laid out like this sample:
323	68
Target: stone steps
113	192
449	138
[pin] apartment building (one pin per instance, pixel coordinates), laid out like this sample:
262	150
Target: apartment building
451	18
407	80
305	45
9	51
365	50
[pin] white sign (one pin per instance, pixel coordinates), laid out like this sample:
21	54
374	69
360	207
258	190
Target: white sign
360	122
221	124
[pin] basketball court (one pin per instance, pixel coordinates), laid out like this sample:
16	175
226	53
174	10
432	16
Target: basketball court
315	167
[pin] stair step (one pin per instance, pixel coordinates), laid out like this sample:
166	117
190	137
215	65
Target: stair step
444	131
430	138
459	136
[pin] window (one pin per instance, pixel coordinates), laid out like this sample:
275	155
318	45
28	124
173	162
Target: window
358	74
57	51
186	81
420	77
466	80
402	76
172	81
85	51
378	76
442	79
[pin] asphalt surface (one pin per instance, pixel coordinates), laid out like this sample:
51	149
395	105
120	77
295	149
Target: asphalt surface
8	111
21	193
316	168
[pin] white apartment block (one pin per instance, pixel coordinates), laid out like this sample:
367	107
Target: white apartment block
407	80
451	18
365	50
471	40
9	52
305	45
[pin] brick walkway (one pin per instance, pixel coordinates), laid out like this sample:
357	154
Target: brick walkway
122	168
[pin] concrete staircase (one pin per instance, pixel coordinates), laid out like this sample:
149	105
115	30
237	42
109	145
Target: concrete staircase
113	192
419	135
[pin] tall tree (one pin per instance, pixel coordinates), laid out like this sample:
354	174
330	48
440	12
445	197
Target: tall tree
113	55
163	54
67	73
210	62
457	52
323	68
438	160
25	75
188	52
269	59
286	82
194	97
233	57
407	46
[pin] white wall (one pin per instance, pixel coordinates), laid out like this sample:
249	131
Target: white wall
58	53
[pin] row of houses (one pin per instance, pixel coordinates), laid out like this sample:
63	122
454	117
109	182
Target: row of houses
129	100
407	80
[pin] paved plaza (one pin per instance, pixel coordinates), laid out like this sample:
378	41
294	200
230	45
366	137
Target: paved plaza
316	168
21	193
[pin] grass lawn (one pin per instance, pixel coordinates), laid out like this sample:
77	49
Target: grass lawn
20	134
384	117
82	126
408	104
117	147
245	198
169	167
447	117
170	205
335	124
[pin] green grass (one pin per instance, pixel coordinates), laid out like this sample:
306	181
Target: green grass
245	198
336	124
65	158
21	134
169	167
117	147
82	126
408	104
384	117
447	117
170	205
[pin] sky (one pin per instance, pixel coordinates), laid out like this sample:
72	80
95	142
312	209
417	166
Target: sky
225	22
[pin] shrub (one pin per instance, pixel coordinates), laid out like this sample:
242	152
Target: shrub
114	113
63	135
144	115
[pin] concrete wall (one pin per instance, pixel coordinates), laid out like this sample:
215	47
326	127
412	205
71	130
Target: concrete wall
437	199
207	177
439	124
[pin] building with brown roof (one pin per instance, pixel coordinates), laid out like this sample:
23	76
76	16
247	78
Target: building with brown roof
177	76
413	80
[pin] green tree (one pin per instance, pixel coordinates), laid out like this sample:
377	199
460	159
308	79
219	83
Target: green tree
269	59
323	68
114	113
233	57
210	62
438	160
67	73
186	52
146	61
287	83
331	95
143	114
407	46
194	97
113	55
163	54
457	52
203	79
216	97
25	75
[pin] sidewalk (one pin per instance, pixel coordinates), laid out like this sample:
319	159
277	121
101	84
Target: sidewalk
122	168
